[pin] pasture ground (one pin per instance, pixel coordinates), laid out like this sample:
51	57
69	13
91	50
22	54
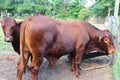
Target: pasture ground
8	69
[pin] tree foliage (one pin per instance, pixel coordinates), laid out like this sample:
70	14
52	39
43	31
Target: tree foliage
102	7
84	14
74	8
57	8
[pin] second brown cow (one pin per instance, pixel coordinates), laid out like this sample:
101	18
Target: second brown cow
11	30
42	36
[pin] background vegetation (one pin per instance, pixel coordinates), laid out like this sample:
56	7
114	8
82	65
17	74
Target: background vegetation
4	46
118	66
64	9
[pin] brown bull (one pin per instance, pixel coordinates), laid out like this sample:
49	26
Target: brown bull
42	36
11	29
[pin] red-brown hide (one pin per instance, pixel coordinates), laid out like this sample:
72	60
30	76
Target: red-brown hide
42	36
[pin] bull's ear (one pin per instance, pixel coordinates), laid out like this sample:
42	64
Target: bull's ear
18	22
100	38
0	20
106	30
114	37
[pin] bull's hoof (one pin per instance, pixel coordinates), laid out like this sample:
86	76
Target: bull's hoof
24	71
77	75
72	69
52	66
31	66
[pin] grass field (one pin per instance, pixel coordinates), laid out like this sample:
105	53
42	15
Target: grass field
4	46
118	65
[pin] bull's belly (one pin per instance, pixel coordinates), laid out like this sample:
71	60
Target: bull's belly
56	53
53	52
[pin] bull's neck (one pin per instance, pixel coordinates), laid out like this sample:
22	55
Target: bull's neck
94	33
16	34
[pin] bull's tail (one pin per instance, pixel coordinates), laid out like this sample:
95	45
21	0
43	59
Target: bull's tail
23	56
22	62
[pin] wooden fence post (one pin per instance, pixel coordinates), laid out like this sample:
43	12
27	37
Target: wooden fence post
116	33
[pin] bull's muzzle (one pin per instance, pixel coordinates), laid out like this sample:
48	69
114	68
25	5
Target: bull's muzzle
8	39
112	51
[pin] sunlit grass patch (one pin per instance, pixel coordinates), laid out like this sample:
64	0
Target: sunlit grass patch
118	64
4	46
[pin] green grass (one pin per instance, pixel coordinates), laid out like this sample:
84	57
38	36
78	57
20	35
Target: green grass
118	66
4	46
118	59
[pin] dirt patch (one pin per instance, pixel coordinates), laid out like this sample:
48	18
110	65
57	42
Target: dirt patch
8	69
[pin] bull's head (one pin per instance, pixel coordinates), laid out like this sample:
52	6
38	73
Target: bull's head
107	42
8	28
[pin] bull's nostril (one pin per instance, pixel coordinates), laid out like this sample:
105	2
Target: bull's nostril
8	40
113	51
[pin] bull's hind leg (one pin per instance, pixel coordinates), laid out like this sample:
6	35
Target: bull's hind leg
21	65
34	66
36	62
37	59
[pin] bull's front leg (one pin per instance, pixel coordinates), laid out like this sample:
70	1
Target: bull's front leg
51	60
72	59
78	58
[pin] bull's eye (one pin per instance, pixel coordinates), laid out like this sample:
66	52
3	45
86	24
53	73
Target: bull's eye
106	40
12	29
3	26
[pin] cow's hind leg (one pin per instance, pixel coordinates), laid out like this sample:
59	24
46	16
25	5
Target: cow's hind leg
37	59
22	64
34	66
